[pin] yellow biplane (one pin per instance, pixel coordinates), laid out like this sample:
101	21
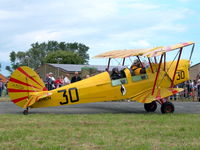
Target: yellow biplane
151	86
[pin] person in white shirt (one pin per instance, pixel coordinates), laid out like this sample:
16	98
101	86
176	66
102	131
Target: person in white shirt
51	81
66	79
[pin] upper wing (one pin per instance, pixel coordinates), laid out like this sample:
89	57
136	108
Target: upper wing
150	52
122	53
159	93
160	50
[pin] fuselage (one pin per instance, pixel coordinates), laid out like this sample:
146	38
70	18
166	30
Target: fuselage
101	88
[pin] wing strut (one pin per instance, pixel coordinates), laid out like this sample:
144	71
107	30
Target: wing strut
123	61
150	65
164	61
192	51
140	61
157	74
155	59
179	56
107	69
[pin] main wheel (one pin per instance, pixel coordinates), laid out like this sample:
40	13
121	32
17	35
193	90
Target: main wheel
150	107
25	112
167	107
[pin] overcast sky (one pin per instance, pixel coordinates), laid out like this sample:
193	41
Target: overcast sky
100	24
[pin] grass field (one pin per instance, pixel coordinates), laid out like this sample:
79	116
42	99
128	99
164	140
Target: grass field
100	131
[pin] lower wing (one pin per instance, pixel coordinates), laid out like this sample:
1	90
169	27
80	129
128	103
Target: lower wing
160	93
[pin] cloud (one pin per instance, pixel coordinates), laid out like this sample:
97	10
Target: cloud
7	15
101	24
168	27
52	34
140	44
184	1
40	35
5	55
141	6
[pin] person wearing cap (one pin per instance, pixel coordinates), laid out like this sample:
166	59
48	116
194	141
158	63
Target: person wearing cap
115	74
137	68
50	81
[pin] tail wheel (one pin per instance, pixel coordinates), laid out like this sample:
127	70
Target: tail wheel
25	112
167	107
150	107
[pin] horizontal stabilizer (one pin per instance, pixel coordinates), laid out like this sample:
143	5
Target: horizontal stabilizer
159	93
35	98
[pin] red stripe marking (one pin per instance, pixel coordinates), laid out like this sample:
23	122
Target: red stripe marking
18	90
19	99
29	101
158	95
20	82
45	89
174	91
185	44
22	71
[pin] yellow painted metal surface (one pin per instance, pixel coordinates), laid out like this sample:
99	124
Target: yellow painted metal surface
26	89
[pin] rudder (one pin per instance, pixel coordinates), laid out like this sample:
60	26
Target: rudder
23	83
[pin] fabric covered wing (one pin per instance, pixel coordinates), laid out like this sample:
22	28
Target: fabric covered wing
159	93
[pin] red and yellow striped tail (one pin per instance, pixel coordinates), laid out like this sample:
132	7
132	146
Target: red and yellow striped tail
23	83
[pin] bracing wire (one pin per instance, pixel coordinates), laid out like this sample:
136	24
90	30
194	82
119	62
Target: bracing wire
168	69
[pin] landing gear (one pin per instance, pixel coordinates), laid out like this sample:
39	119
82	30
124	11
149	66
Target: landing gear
150	107
167	107
25	112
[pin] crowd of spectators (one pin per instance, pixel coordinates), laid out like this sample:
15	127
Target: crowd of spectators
191	90
52	83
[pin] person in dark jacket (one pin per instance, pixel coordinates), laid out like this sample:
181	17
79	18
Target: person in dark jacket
75	78
115	74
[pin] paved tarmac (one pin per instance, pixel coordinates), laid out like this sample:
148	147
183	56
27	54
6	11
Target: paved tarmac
100	107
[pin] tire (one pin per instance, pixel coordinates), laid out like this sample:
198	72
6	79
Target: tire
167	107
25	112
150	107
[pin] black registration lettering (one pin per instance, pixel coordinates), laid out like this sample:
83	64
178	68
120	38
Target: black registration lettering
181	75
73	95
64	95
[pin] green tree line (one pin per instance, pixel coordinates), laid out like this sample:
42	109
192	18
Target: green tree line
50	52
